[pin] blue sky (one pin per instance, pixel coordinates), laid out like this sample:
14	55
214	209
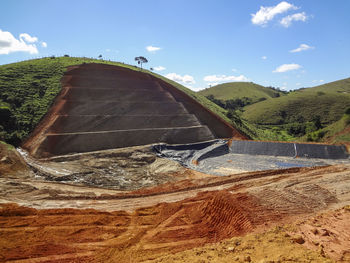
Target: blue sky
286	44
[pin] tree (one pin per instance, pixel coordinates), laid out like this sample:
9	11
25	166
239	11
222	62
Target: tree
141	60
317	121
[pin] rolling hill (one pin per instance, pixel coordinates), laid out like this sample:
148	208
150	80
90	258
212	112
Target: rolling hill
329	101
241	90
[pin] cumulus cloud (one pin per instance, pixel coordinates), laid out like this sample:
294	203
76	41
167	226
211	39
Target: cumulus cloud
223	78
286	67
159	68
264	57
9	44
43	44
265	14
28	38
152	48
186	79
287	21
302	47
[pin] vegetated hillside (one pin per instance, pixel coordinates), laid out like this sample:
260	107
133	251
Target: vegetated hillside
246	91
328	101
28	88
336	133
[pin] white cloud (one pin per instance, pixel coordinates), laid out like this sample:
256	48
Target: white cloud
287	21
265	14
112	50
286	67
302	47
152	48
43	44
298	84
159	68
28	38
234	70
318	81
264	57
9	44
223	78
187	79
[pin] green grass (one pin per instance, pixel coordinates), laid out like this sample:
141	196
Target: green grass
334	133
28	88
8	146
329	101
241	90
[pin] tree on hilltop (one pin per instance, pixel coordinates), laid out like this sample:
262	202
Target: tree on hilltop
141	60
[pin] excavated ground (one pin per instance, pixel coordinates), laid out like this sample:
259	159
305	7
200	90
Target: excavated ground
45	220
130	205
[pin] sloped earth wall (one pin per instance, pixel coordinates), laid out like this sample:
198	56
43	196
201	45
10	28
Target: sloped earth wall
104	107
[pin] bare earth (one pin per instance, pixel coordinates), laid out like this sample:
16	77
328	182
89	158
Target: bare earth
295	215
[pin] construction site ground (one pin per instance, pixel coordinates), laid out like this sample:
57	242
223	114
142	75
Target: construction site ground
129	205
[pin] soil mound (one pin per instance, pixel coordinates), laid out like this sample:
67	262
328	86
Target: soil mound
11	162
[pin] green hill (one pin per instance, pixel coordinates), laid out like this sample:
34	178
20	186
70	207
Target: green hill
28	88
336	133
241	90
329	101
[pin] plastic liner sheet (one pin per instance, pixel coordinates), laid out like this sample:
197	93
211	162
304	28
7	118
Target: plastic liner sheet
219	157
303	150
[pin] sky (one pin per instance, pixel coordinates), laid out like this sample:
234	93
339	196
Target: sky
198	43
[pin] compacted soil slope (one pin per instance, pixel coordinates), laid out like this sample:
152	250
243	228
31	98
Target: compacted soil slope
105	107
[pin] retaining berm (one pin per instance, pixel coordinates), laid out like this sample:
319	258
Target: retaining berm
104	107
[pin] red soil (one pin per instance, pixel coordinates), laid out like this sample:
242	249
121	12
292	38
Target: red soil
328	233
54	235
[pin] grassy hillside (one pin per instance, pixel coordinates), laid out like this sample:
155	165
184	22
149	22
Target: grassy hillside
336	133
241	90
28	88
329	101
